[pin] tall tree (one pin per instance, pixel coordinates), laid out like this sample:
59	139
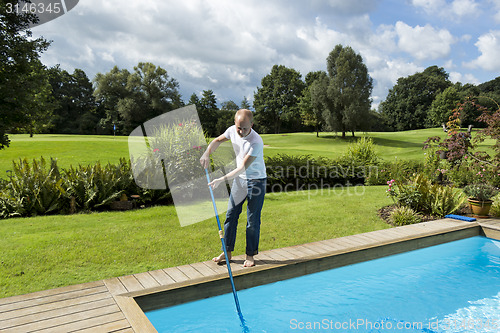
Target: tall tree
408	102
19	61
276	102
208	112
75	112
311	111
225	117
245	104
346	100
133	98
442	107
110	89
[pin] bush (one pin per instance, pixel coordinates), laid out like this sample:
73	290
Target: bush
32	189
480	191
291	173
361	153
495	207
421	195
404	216
40	188
385	171
95	186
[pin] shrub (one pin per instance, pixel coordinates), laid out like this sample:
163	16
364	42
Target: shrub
446	200
361	153
96	185
32	189
495	207
421	195
480	191
385	171
404	216
38	188
291	172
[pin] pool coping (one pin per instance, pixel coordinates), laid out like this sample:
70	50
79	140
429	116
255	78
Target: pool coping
117	304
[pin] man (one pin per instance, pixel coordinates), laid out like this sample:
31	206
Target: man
249	182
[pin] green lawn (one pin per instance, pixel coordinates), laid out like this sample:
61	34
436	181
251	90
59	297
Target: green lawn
406	145
68	149
87	149
51	251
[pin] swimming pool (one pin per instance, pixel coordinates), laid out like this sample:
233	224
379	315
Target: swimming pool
452	287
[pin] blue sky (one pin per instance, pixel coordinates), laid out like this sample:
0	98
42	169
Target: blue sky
229	46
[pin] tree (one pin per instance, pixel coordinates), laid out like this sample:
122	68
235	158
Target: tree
130	99
208	112
37	111
408	102
110	88
276	102
346	98
245	104
442	107
311	112
76	107
19	61
225	117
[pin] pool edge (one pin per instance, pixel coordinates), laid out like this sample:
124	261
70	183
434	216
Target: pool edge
408	238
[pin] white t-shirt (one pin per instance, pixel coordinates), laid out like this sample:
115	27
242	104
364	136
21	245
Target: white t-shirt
251	145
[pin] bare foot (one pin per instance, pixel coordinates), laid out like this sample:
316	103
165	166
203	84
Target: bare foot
221	259
250	262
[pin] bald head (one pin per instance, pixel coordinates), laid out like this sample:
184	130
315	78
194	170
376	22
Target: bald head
243	119
244	114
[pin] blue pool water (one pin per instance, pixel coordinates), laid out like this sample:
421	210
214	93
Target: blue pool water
453	287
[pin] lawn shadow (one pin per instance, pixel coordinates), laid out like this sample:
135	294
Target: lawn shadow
378	141
396	143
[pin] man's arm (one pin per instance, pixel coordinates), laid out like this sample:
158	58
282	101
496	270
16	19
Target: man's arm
235	173
205	158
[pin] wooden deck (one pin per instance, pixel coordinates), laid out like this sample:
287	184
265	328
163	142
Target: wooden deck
112	305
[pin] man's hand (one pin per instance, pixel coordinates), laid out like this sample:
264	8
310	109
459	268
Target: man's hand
216	182
205	160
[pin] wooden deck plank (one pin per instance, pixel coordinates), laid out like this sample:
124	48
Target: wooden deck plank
190	272
50	292
202	269
97	323
54	313
218	269
52	324
162	277
88	299
115	286
131	283
55	297
176	274
146	280
121	325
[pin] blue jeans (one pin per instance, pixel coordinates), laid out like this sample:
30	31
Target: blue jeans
254	194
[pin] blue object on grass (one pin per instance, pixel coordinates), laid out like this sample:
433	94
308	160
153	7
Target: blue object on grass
460	217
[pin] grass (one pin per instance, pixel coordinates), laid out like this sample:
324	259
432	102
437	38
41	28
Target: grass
406	145
51	251
88	149
68	149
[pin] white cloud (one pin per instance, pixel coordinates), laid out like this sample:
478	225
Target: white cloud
229	46
412	40
489	46
463	78
456	9
496	8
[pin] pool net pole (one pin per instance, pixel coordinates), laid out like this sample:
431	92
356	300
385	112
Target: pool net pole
225	253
